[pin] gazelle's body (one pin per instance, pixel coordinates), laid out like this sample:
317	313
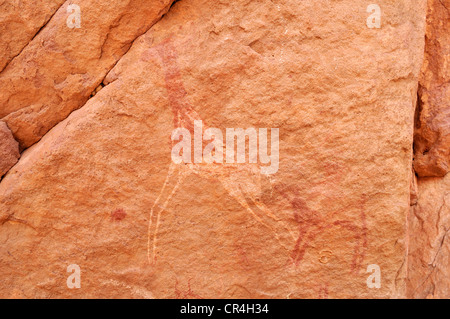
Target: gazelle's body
241	181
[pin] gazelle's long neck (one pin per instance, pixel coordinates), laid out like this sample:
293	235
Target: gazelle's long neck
183	112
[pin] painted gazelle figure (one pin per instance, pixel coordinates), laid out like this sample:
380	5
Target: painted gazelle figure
241	181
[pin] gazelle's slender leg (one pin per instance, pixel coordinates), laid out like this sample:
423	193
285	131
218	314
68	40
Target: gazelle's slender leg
238	195
263	207
174	174
269	213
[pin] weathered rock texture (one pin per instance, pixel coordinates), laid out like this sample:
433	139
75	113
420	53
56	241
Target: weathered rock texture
57	71
92	191
9	149
429	249
432	136
20	21
429	253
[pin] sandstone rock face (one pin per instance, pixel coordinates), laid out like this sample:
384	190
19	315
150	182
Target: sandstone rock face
20	21
432	137
57	71
101	191
429	258
429	252
9	149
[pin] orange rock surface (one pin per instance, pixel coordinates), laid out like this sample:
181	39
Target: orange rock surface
429	258
59	69
20	21
9	149
94	108
432	138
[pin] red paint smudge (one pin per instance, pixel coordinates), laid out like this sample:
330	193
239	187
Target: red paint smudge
118	214
185	294
323	292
